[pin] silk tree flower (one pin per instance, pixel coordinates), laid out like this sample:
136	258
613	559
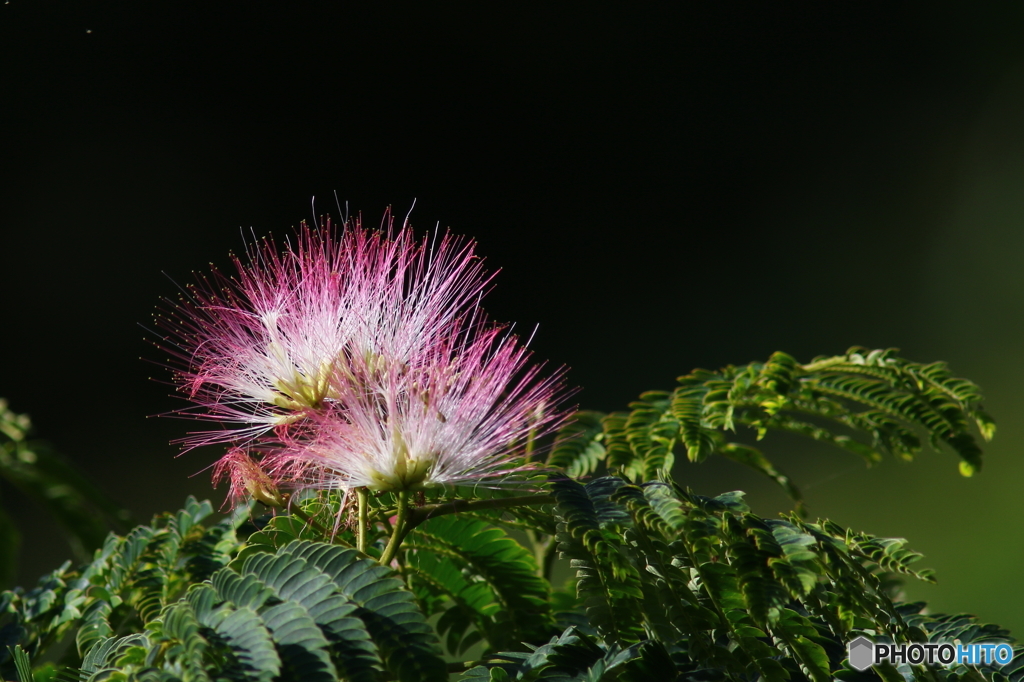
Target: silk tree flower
246	478
261	350
460	414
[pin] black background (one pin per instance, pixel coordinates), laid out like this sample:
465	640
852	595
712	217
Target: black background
663	187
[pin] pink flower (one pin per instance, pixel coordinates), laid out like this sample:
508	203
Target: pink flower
461	413
246	478
261	350
356	358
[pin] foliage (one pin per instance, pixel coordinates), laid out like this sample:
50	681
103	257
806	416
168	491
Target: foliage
877	394
666	584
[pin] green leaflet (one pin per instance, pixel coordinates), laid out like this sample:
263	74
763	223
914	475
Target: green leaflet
130	580
308	612
671	608
890	554
570	651
887	399
618	454
110	649
466	608
179	632
578	449
314	596
783	592
408	646
652	435
607	582
95	625
795	634
278	532
22	664
302	646
492	578
251	643
687	407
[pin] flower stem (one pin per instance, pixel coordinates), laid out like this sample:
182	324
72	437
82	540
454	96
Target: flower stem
362	496
399	531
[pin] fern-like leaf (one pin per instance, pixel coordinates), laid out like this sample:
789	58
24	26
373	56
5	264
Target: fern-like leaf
408	646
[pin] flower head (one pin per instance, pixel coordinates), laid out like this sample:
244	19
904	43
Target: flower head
262	349
462	413
246	478
355	358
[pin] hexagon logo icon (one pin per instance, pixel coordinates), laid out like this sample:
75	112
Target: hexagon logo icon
862	653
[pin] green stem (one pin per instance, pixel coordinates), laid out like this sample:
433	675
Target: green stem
407	518
456	667
399	531
296	510
824	364
363	500
542	546
429	511
531	436
531	439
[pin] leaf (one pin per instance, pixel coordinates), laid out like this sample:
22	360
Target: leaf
607	581
107	651
180	626
652	432
22	664
688	408
302	646
278	532
441	587
242	631
618	453
498	576
95	626
795	631
668	584
886	397
250	642
293	579
577	448
408	646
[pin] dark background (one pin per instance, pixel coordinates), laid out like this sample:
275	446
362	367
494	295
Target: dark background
663	188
